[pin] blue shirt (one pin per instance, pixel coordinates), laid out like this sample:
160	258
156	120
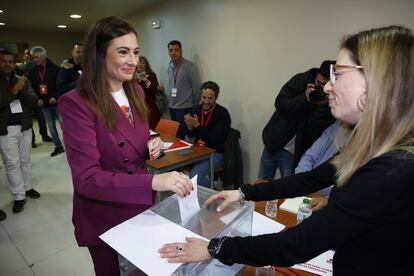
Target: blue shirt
320	151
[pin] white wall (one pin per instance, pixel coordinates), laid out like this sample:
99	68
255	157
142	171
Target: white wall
252	48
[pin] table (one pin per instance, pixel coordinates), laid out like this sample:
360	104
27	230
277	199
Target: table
172	160
289	220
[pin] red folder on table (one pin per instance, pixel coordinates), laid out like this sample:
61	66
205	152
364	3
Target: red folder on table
178	145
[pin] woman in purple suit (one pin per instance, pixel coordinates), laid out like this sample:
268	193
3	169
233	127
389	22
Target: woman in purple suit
106	135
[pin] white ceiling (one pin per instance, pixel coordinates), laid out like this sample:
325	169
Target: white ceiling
47	14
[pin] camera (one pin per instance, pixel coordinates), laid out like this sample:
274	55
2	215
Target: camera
317	95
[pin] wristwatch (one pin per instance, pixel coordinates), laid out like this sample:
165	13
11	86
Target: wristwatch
215	245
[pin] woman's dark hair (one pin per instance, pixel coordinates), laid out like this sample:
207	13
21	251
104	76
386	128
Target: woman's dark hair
94	87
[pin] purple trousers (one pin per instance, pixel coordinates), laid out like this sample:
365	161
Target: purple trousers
105	260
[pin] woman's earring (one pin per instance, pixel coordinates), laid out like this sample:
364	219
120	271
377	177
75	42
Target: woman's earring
362	99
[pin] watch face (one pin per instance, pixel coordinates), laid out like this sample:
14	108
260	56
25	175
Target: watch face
212	247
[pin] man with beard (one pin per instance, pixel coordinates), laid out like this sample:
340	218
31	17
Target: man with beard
209	125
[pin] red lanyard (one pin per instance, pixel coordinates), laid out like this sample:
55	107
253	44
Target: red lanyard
208	118
176	71
42	74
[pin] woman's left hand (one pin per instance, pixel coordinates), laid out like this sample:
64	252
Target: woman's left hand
194	250
318	203
155	147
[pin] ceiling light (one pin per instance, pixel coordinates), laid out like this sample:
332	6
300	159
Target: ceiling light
1	11
62	26
75	16
2	24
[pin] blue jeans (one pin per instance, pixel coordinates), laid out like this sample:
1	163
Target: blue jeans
178	116
50	113
42	123
202	168
269	163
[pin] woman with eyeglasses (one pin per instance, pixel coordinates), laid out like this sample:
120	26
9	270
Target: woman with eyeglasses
369	217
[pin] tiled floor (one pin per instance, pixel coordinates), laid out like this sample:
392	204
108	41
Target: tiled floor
40	240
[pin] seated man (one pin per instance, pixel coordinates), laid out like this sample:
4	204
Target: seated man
209	125
327	145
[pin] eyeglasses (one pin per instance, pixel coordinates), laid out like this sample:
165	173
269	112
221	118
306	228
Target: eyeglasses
333	75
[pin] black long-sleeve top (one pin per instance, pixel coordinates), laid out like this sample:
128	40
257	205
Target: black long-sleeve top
215	133
368	221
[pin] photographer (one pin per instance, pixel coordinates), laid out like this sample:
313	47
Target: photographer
301	115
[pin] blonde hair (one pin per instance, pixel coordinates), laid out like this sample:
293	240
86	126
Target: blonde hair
387	121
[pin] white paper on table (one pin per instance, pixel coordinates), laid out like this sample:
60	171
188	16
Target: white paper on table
151	132
166	145
292	204
264	225
139	239
321	265
16	107
189	205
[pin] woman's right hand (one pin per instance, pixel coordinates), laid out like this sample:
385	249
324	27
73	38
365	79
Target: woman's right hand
172	181
228	196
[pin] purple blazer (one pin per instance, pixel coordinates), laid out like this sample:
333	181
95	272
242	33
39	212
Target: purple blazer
110	181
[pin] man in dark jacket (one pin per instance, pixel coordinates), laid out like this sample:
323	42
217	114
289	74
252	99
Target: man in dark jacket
209	125
70	70
16	111
43	77
302	113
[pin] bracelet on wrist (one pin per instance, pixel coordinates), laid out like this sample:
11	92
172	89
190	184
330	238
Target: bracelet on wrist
215	245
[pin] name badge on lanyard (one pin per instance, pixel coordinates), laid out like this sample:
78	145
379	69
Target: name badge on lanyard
174	92
16	107
43	89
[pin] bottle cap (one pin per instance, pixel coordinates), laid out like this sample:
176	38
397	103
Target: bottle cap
306	200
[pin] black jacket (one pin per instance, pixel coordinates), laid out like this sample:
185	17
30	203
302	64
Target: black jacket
216	132
68	75
28	101
368	221
294	115
50	80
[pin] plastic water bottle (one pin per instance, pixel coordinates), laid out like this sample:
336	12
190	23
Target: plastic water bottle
271	208
304	210
265	271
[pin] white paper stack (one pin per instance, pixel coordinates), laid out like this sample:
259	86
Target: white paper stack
292	204
321	265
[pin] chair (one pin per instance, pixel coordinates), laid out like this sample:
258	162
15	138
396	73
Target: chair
232	171
167	127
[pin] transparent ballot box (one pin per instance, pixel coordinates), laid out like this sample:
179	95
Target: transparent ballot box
233	221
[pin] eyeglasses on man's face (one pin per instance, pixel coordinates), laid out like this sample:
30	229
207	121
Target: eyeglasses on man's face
334	74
